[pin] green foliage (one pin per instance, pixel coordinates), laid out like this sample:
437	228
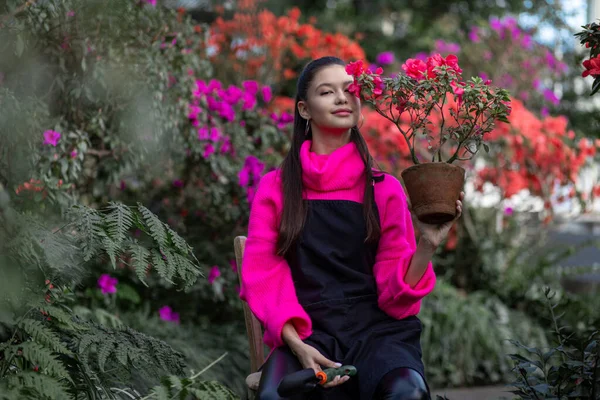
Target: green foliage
465	337
571	369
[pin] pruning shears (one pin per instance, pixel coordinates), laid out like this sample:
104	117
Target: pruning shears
307	379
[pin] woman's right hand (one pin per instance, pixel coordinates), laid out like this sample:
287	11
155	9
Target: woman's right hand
310	357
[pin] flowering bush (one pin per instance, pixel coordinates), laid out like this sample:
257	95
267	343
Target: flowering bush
466	111
534	154
257	44
590	38
506	54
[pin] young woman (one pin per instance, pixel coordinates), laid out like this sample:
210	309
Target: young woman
331	267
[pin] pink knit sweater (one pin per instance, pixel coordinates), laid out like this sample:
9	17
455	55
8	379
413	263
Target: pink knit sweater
267	283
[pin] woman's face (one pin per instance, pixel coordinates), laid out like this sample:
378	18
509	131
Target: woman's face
329	105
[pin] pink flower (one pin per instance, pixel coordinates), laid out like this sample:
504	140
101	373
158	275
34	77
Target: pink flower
71	13
167	314
51	137
474	34
215	134
249	101
267	94
415	68
251	171
213	274
282	120
151	2
355	68
203	133
107	284
437	61
208	150
233	265
458	90
250	87
354	88
385	58
508	211
74	154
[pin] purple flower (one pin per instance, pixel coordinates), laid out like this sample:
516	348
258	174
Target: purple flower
74	154
508	211
496	24
232	95
233	265
249	101
251	171
251	87
551	97
385	58
151	2
545	112
474	34
484	76
107	284
203	133
282	120
537	83
213	274
267	94
51	137
208	150
215	134
167	314
178	183
527	42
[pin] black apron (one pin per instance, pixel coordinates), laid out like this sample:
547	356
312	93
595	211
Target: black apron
332	269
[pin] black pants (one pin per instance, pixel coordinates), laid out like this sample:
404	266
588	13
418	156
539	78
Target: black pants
398	384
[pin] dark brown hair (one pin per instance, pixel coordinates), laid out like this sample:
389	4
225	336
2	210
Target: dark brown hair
294	207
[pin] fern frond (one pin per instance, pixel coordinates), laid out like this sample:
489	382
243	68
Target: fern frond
213	390
161	266
60	315
45	386
156	226
118	221
188	271
178	242
140	257
89	224
104	350
43	335
48	362
111	249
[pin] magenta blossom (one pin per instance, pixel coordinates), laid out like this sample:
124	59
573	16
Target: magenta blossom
267	94
251	171
213	274
474	34
508	211
151	2
167	314
74	154
107	284
385	58
51	137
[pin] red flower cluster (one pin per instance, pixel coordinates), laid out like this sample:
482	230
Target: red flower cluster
592	67
260	45
534	155
419	69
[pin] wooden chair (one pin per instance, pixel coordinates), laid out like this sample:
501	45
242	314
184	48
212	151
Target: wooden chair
253	326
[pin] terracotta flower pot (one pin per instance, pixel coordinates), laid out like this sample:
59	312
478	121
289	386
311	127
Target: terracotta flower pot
433	189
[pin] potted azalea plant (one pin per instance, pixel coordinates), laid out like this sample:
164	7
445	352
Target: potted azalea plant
590	38
442	118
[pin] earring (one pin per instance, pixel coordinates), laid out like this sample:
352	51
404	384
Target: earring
362	120
307	127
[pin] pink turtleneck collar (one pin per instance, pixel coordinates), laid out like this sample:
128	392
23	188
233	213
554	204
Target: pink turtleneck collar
342	170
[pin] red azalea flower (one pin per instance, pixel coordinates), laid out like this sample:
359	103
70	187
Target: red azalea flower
592	67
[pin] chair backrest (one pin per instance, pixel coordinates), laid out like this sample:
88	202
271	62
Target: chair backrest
253	327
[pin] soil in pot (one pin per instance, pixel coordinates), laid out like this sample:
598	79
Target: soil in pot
433	189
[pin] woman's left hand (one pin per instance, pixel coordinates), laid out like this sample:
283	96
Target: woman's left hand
435	234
